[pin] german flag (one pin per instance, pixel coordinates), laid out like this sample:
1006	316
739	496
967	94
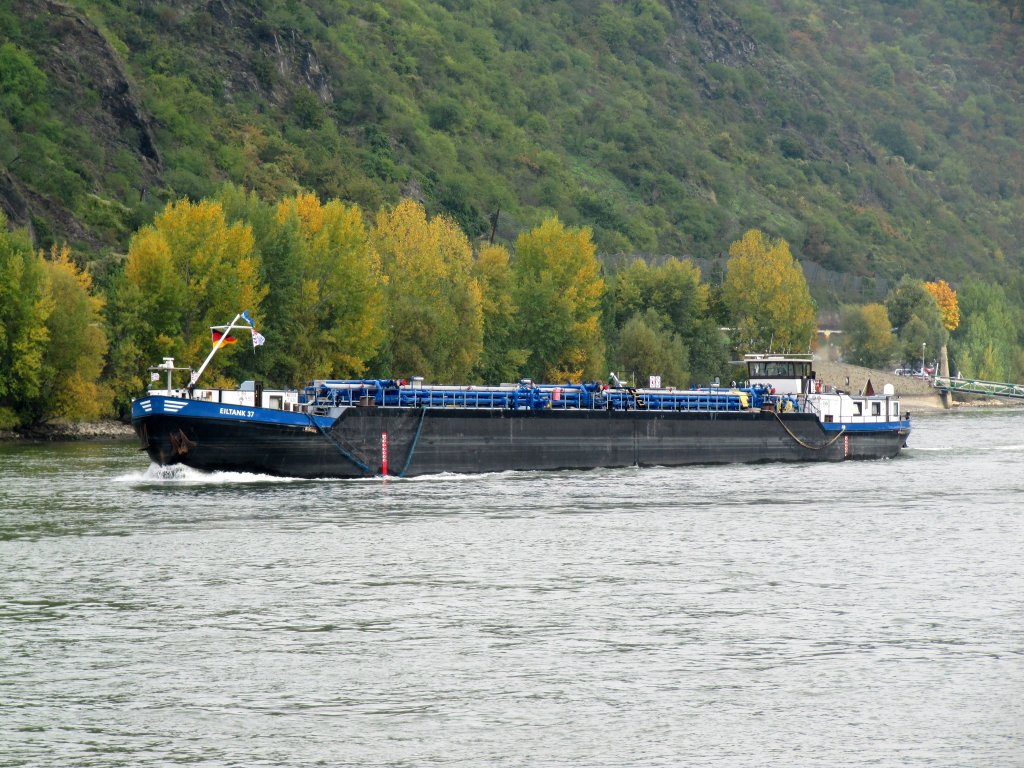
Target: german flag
227	339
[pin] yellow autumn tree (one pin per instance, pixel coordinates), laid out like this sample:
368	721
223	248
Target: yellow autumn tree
558	294
186	272
766	294
75	355
503	356
945	297
434	304
339	312
26	303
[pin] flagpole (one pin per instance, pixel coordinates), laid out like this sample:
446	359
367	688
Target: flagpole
217	345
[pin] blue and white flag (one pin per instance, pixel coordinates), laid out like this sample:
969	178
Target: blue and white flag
245	316
258	339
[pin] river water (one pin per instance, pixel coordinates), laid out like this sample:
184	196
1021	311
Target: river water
856	614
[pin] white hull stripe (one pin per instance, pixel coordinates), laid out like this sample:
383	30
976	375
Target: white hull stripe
173	406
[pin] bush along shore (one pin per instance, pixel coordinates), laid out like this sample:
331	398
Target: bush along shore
86	430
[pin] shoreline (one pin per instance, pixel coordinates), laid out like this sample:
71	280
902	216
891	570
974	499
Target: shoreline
108	429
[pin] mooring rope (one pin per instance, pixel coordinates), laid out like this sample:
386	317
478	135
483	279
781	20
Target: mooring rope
345	454
800	442
415	439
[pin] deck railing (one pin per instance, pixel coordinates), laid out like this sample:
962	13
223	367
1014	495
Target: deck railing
588	397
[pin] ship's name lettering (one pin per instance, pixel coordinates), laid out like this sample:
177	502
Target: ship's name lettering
236	412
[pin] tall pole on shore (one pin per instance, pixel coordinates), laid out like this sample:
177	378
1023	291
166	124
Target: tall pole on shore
943	373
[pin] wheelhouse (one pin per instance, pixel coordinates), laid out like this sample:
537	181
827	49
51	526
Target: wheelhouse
786	374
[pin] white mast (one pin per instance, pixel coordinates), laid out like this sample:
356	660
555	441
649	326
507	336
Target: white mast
217	345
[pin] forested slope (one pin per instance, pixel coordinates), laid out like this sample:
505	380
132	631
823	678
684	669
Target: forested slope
878	138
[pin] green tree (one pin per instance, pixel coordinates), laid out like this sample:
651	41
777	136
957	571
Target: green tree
908	298
675	292
278	246
767	296
646	347
868	339
917	320
558	290
985	344
913	345
129	330
433	302
26	303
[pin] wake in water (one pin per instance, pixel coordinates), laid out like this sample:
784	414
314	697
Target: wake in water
179	473
965	449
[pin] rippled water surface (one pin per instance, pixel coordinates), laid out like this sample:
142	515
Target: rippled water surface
854	614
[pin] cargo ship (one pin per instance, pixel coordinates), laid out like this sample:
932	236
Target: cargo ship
394	427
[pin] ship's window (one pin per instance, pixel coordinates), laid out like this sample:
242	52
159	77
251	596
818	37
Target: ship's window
876	409
858	408
777	369
275	402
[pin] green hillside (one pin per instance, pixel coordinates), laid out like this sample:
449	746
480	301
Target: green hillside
878	138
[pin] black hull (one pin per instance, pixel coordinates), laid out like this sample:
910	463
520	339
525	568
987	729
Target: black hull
466	441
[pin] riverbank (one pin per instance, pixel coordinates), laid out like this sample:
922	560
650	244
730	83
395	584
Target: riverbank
70	431
914	394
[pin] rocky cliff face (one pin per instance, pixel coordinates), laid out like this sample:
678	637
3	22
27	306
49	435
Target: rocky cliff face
92	90
720	38
82	59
